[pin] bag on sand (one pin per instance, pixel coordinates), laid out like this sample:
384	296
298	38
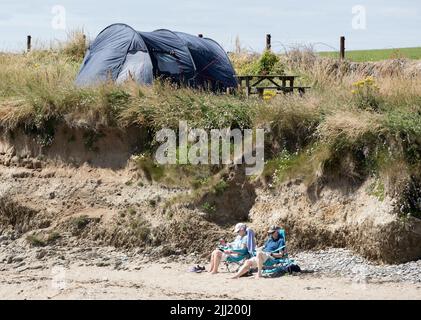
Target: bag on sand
290	269
293	268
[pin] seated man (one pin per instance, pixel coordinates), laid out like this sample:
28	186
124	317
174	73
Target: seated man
273	249
230	249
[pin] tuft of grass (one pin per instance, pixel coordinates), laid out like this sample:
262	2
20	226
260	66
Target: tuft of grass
348	127
200	182
76	46
220	187
377	189
195	176
209	208
80	222
53	237
90	139
140	228
307	164
152	170
36	241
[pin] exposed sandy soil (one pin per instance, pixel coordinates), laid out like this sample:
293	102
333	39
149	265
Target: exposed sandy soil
172	281
43	192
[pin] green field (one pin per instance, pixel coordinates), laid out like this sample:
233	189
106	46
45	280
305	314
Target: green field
377	55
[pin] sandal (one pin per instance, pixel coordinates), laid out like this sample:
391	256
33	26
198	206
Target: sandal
197	269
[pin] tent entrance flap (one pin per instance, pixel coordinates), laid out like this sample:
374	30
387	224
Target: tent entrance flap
138	67
168	64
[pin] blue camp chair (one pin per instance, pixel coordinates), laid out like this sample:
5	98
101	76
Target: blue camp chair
272	266
241	254
236	260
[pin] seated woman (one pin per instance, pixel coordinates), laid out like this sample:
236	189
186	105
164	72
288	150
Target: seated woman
274	248
229	250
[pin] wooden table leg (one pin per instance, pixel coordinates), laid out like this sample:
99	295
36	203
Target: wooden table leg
247	87
301	91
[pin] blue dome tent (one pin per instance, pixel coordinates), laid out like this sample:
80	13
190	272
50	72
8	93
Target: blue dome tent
119	53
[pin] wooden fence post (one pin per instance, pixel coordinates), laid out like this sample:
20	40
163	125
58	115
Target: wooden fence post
28	43
268	42
342	49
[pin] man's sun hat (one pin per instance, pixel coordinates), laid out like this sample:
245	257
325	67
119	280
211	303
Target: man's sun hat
240	226
272	229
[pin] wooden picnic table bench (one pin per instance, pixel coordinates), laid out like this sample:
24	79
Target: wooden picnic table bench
280	83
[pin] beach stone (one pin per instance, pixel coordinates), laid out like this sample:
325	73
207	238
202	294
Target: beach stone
41	254
36	164
15	160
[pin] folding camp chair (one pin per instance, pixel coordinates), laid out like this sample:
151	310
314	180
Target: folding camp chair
275	265
236	260
242	254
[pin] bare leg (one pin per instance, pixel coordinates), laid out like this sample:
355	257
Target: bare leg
217	261
212	261
243	270
259	265
213	258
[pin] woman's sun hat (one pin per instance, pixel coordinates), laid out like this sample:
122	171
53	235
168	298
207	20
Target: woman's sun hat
240	226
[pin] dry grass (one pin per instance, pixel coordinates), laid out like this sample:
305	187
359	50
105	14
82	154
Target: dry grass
350	125
76	45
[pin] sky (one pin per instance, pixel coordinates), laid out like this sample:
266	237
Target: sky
370	24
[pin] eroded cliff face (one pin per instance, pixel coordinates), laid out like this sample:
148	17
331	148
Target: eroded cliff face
93	194
340	217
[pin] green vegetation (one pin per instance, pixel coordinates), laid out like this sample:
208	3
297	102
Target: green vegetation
42	240
133	225
377	189
267	63
377	55
36	241
208	208
220	187
90	138
80	222
152	170
53	237
140	229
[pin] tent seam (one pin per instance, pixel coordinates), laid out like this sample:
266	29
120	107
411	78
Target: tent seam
226	55
188	49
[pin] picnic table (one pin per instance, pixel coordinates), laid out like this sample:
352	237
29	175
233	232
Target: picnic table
280	83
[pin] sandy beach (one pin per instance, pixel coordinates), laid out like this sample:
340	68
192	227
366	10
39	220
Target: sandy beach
172	281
